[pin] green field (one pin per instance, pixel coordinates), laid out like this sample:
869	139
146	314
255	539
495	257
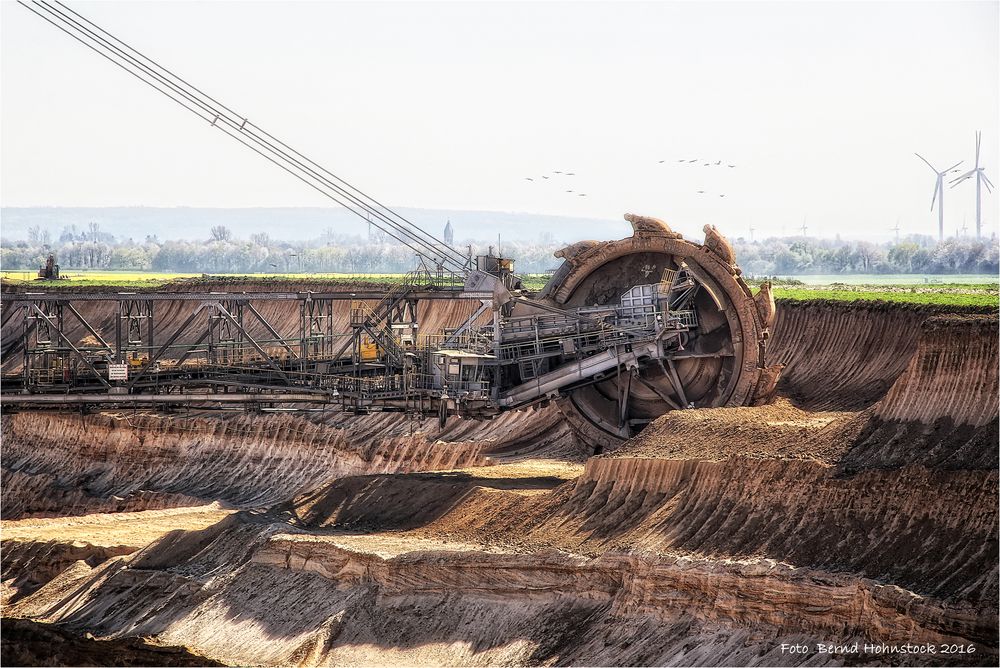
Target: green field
895	293
148	279
888	279
953	293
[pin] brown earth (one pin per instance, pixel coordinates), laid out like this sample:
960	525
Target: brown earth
67	464
860	506
27	643
846	355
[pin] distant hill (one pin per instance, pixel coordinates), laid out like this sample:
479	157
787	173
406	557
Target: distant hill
298	223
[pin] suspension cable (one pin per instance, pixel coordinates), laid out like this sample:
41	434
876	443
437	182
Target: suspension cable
145	72
249	124
248	134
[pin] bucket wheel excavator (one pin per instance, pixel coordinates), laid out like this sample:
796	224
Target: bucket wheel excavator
719	360
623	332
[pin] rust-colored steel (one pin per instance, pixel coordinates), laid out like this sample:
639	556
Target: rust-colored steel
725	364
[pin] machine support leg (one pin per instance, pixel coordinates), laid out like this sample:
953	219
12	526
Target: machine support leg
267	358
170	342
675	380
58	330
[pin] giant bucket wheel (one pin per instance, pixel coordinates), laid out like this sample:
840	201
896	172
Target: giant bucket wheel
722	358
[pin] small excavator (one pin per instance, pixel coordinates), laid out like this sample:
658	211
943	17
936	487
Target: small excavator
50	270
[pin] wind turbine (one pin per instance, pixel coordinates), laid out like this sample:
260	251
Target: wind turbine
896	230
981	179
939	193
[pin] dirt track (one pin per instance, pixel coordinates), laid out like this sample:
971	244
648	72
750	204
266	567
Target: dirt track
859	506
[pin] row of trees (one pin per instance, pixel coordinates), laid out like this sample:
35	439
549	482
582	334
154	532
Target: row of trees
223	252
777	257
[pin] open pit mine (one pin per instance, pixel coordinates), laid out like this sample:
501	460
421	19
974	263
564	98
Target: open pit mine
644	463
852	508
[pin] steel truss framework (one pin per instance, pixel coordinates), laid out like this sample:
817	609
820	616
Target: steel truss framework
225	351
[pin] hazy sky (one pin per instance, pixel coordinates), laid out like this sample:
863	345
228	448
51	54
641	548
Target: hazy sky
451	105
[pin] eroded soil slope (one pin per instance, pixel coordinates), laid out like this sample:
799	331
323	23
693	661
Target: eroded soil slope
712	538
844	355
66	464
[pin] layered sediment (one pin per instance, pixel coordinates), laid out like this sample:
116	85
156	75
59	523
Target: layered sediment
843	355
859	507
70	464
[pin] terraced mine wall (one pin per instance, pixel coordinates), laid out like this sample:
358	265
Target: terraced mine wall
845	355
58	464
860	507
285	599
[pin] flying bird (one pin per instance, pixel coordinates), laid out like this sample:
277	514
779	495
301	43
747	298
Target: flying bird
701	192
681	160
569	191
273	264
545	177
570	174
695	160
528	178
721	195
557	172
662	161
582	195
732	165
707	164
718	162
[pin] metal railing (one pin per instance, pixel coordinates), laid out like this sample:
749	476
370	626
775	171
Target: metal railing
443	279
425	381
374	387
688	319
470	341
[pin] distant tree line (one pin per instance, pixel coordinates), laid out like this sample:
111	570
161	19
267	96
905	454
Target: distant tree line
222	252
913	255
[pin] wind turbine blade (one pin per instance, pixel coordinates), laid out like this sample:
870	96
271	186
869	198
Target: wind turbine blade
937	187
987	179
959	179
954	166
978	137
925	161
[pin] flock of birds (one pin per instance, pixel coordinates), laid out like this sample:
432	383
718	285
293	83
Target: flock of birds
555	173
717	163
546	178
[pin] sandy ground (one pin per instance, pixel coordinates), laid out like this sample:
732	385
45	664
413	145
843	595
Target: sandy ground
776	431
528	476
138	529
114	529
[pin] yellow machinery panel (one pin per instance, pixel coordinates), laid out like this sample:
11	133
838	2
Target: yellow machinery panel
369	351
